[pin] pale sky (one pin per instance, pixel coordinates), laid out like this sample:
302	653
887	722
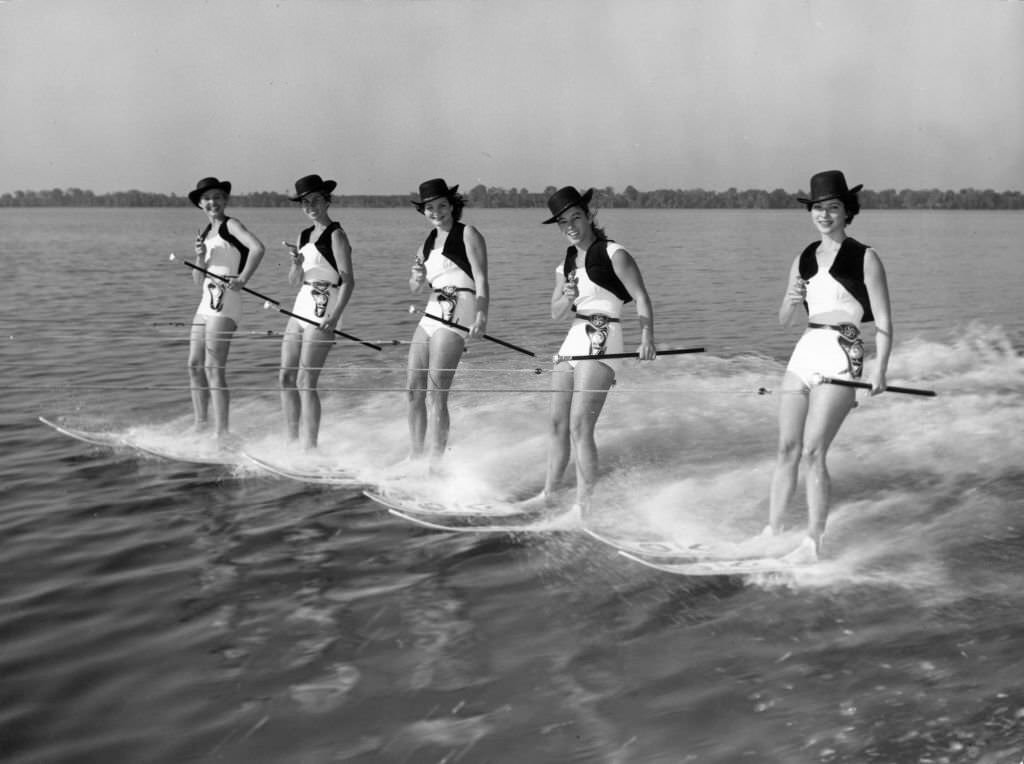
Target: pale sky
380	94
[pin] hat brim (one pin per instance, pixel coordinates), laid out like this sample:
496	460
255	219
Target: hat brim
419	203
327	188
584	200
193	196
850	192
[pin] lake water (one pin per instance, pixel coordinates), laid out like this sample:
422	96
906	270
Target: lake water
154	611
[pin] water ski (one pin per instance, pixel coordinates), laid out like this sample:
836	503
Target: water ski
92	437
321	474
524	522
720	567
211	455
407	501
659	550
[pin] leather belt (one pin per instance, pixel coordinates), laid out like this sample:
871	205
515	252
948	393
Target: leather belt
849	331
599	319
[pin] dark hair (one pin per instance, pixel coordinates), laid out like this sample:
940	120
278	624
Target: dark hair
328	197
598	230
457	200
851	205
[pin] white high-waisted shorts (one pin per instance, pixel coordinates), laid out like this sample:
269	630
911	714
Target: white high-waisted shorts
592	336
818	352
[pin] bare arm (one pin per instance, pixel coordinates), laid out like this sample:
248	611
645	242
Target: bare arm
199	247
878	294
796	293
418	275
476	252
295	267
256	250
629	274
563	296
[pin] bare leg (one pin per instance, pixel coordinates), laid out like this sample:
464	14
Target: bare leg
792	413
316	344
199	385
592	382
416	384
446	350
218	343
291	405
559	444
829	405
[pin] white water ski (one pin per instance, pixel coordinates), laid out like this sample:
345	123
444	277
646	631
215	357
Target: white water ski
92	437
659	550
524	522
183	449
317	474
189	455
409	501
720	567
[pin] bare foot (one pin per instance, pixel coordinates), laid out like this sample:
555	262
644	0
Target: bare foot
805	554
536	503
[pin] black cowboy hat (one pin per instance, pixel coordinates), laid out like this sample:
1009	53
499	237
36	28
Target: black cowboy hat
310	184
564	198
432	189
205	185
830	184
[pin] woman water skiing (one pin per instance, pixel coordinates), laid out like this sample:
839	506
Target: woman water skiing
453	263
841	283
227	249
592	284
321	266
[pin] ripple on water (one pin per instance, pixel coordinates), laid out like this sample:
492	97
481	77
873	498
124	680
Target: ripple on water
328	692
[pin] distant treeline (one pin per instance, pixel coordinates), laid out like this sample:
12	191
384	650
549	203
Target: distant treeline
483	196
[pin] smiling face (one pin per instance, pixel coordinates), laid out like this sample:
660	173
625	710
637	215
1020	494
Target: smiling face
439	212
576	225
213	202
314	205
829	216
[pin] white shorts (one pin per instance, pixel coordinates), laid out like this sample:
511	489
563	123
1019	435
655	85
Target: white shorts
818	352
219	301
590	338
316	301
458	307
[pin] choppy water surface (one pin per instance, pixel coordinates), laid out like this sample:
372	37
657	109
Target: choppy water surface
155	611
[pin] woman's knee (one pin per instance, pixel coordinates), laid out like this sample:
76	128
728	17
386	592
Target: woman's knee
437	401
416	395
215	373
789	451
558	427
581	428
814	453
307	379
287	377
